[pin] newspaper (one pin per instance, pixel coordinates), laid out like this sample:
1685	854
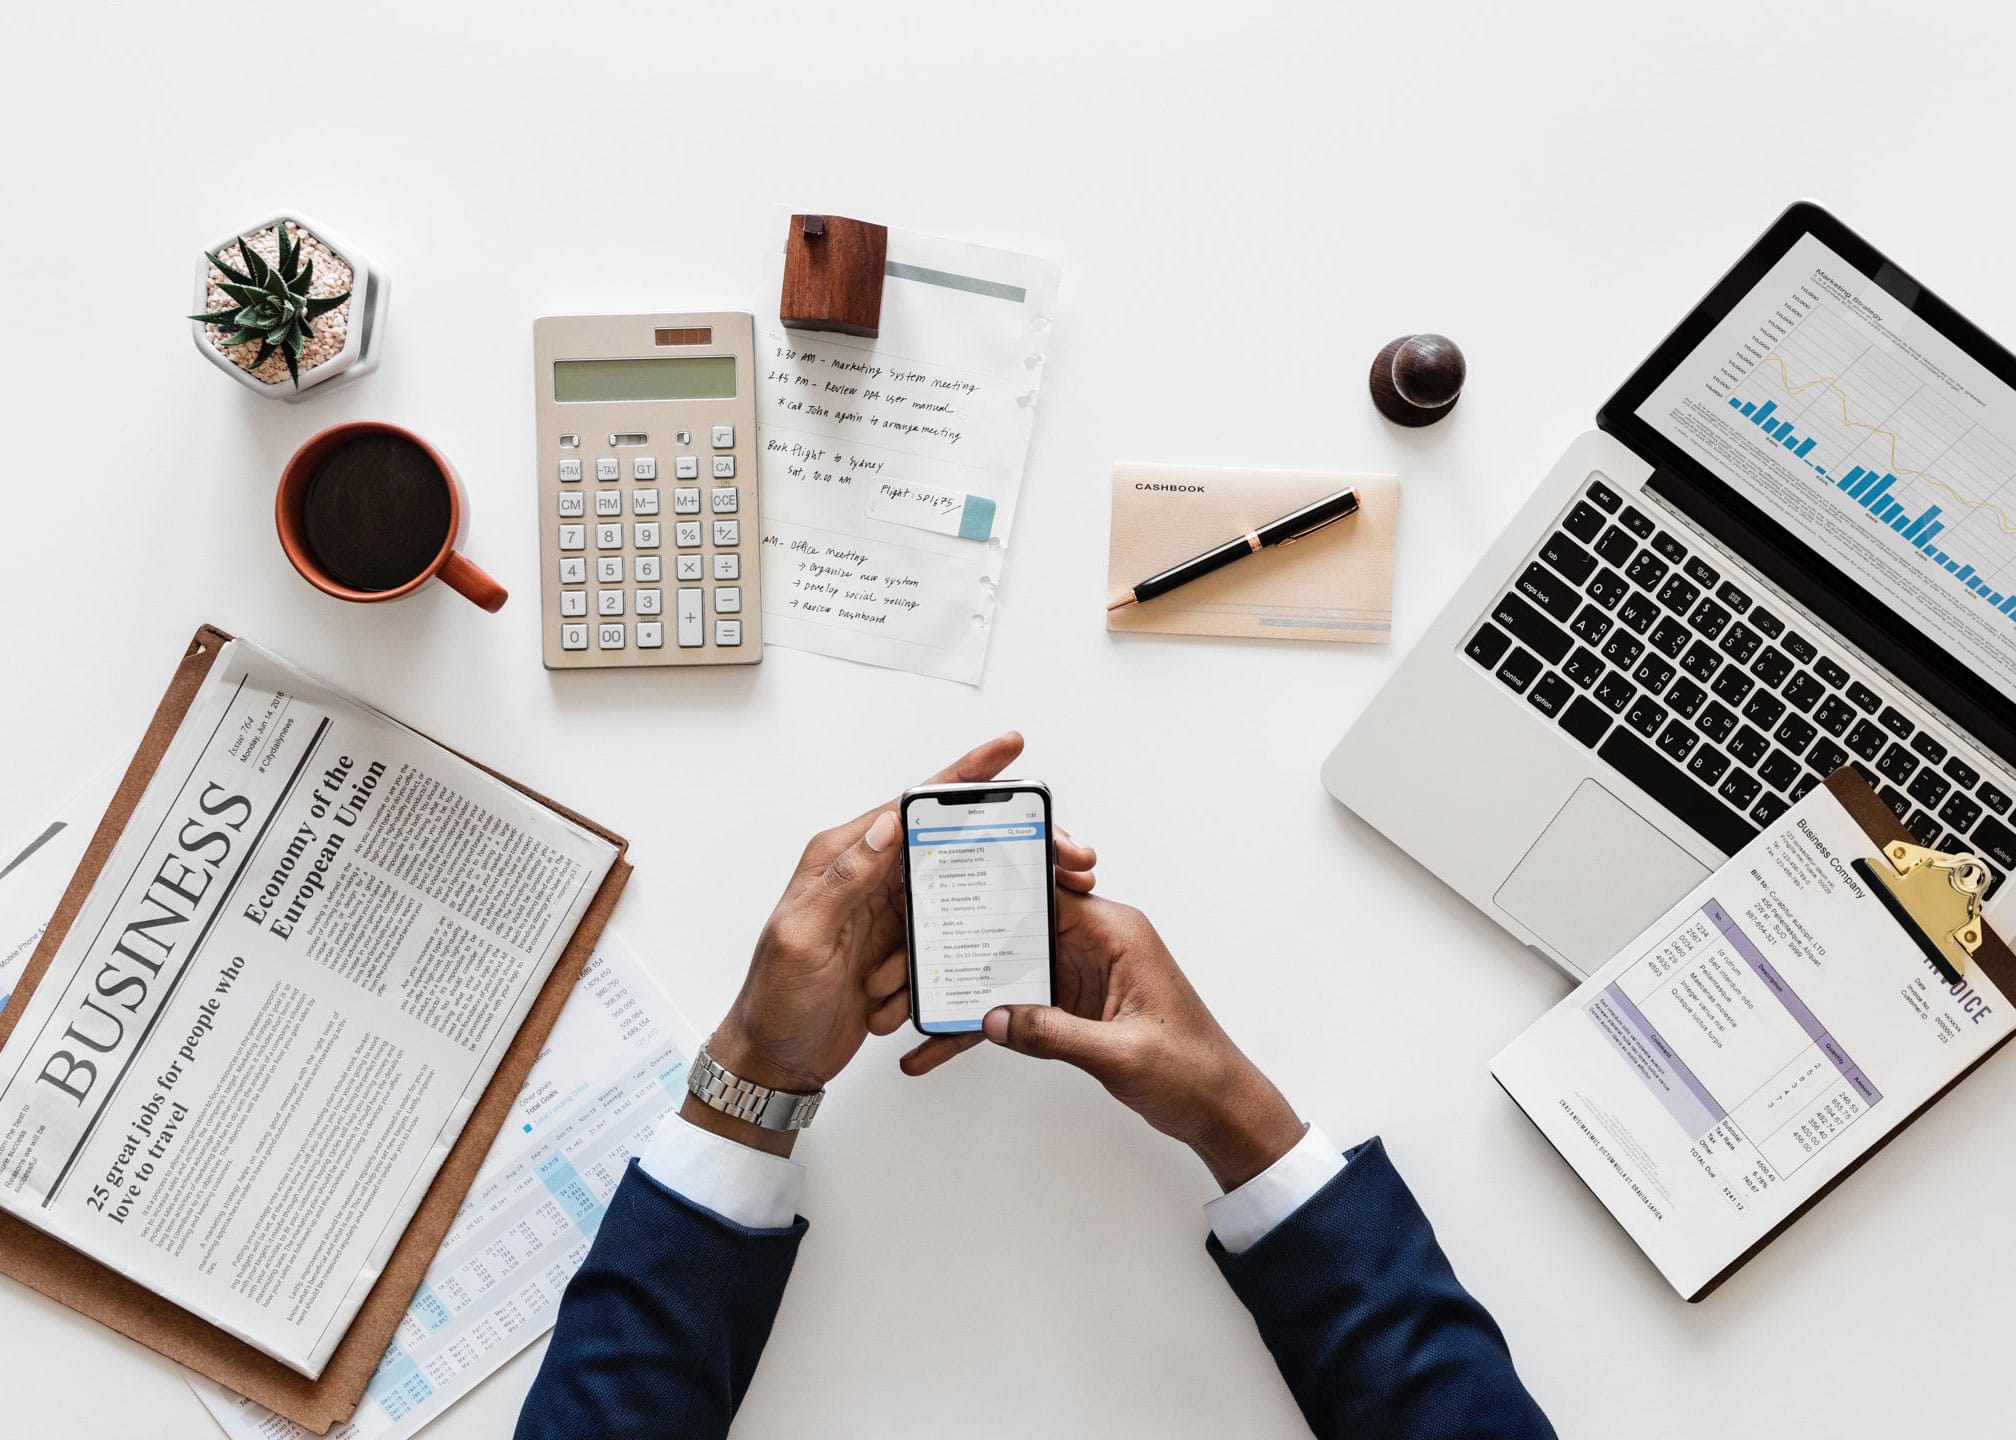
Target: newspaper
613	1068
272	1017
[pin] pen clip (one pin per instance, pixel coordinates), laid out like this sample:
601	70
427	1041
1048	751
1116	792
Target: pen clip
1319	525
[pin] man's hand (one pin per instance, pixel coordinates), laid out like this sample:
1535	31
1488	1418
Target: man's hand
1127	1016
831	966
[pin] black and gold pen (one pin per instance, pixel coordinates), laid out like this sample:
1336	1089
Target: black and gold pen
1286	531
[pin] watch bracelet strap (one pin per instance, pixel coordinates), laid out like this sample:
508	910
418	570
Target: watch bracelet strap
718	1088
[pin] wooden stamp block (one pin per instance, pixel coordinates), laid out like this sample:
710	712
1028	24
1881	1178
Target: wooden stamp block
833	275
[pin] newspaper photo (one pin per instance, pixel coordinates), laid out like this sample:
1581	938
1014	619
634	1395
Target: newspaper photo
271	1019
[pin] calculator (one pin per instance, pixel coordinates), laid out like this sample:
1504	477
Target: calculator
648	530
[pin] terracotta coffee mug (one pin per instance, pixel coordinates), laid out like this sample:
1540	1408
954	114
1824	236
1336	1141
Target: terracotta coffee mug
394	530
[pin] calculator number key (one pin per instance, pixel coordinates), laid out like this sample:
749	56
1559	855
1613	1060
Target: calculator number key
573	537
608	602
650	635
573	570
650	602
573	637
727	532
609	569
644	534
649	569
724	499
608	537
573	603
609	637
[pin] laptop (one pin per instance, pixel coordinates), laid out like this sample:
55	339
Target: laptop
1788	545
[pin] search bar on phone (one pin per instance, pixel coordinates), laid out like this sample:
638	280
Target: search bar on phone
953	835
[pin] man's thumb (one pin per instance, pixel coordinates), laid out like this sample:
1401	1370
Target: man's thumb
1052	1034
866	864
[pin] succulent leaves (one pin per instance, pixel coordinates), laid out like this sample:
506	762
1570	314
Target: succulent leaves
270	302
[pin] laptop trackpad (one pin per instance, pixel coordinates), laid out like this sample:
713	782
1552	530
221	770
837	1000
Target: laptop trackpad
1597	875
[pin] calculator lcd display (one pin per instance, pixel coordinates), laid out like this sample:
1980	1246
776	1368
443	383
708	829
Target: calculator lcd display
702	377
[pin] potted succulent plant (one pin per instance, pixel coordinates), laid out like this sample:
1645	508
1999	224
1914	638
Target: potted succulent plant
284	308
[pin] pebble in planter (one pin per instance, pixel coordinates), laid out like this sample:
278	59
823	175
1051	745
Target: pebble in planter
285	310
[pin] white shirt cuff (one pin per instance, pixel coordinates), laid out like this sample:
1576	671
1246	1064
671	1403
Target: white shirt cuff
1240	1218
750	1187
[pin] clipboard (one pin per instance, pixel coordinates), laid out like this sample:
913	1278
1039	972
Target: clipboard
47	1264
1993	957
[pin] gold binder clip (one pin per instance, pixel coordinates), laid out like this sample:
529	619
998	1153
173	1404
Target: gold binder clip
1936	897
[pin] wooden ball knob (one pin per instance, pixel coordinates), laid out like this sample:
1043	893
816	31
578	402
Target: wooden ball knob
1417	379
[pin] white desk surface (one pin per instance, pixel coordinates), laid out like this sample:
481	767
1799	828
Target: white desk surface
1247	204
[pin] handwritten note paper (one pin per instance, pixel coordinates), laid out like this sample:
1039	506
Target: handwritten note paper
890	467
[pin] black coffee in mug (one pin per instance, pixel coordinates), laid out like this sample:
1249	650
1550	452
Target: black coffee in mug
376	512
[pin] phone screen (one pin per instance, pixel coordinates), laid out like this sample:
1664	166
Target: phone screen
981	922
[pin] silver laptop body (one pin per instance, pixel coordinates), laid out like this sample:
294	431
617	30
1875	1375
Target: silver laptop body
1534	749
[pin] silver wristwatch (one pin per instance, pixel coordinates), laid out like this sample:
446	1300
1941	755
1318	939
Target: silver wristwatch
761	1106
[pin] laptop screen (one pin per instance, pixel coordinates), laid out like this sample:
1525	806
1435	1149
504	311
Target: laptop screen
1858	432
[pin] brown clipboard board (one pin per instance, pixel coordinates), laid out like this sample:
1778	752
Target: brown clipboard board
47	1264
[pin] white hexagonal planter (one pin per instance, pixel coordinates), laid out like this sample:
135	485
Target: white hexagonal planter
361	321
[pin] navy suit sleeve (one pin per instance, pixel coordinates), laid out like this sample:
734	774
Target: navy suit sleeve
1372	1331
661	1328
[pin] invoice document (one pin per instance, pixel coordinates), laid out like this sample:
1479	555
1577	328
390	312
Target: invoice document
1756	1042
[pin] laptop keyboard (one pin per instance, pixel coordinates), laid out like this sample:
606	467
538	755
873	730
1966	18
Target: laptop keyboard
1714	706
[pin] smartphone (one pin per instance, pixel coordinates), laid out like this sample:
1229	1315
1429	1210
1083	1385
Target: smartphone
979	882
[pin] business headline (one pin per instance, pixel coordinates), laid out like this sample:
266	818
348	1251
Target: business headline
159	939
334	808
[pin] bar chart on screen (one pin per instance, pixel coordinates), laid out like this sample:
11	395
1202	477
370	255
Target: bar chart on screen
1884	444
1888	436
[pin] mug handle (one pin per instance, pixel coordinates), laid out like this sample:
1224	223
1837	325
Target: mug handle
469	581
